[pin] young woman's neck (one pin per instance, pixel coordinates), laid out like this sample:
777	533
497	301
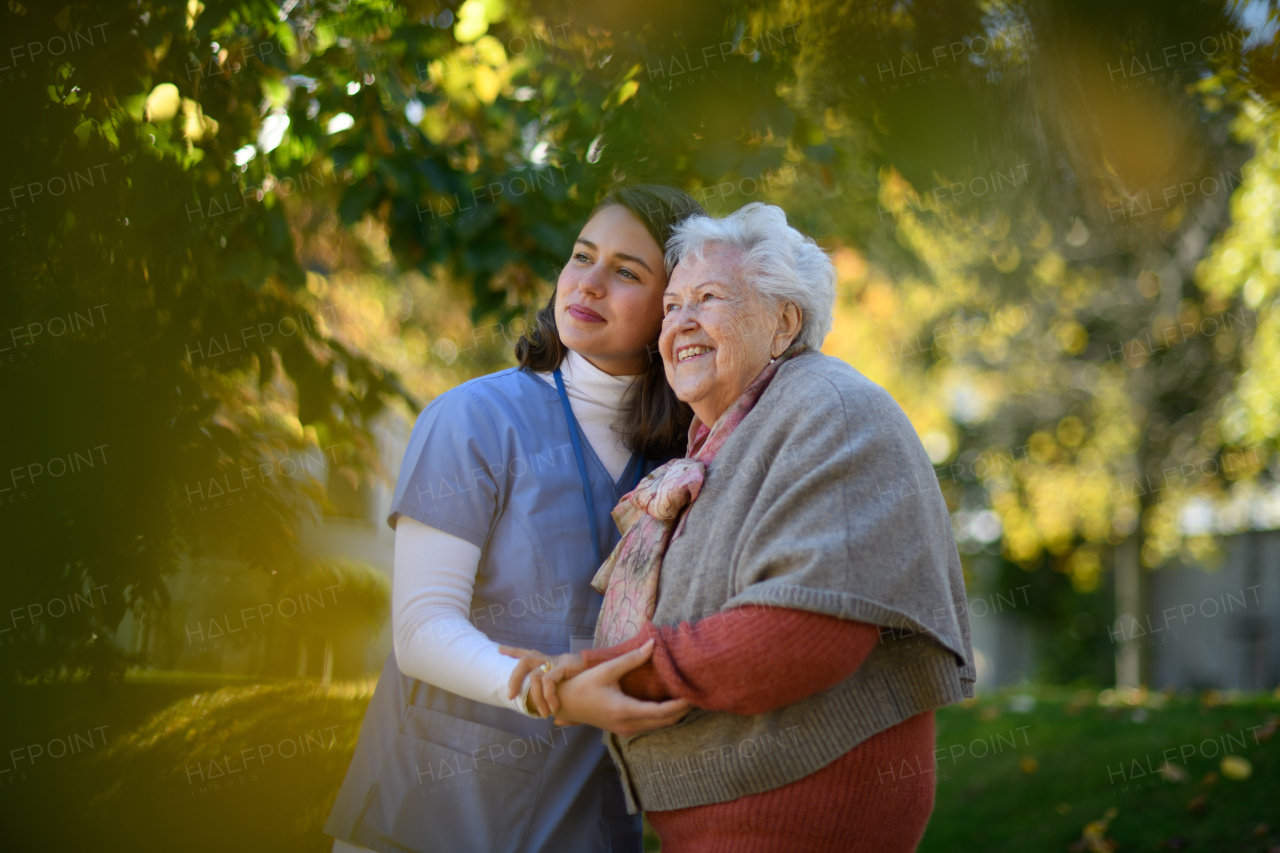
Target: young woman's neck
615	365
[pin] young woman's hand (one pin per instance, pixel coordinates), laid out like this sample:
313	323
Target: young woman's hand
543	682
538	665
593	696
530	660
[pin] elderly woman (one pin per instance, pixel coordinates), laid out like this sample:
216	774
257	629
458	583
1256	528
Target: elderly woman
795	576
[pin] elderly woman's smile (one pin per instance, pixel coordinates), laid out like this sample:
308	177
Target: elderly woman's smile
685	353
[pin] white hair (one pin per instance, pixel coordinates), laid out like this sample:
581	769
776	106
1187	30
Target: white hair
782	264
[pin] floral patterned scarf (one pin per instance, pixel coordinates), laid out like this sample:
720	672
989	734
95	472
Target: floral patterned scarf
651	516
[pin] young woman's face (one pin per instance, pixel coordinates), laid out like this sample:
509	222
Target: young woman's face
609	295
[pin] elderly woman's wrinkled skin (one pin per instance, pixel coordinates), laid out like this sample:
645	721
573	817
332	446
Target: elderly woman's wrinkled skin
708	307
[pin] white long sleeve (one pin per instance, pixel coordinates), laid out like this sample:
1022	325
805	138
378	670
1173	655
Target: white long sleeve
434	573
433	578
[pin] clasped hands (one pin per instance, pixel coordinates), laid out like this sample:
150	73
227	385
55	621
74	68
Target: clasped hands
574	693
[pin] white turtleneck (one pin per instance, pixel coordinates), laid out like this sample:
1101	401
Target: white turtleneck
434	572
595	398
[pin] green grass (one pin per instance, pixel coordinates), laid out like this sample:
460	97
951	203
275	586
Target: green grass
1007	781
1073	752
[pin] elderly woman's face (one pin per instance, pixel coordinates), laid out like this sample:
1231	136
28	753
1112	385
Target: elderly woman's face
717	332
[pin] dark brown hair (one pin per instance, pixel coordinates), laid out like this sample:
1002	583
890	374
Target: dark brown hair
655	423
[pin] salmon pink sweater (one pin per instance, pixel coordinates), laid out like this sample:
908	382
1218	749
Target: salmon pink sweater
750	661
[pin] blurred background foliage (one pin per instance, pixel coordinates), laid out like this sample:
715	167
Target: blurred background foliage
1055	228
260	228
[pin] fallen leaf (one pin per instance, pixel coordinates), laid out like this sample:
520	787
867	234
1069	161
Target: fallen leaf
1094	837
1268	729
1196	804
1029	765
1236	767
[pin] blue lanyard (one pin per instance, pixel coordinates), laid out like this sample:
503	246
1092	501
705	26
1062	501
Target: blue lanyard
576	438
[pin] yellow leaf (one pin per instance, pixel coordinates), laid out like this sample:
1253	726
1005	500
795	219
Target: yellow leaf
489	50
162	103
628	89
487	84
1236	767
195	123
473	21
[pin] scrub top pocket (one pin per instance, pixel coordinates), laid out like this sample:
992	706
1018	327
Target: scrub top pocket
439	768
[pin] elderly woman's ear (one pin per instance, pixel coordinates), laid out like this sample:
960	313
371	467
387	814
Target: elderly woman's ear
790	319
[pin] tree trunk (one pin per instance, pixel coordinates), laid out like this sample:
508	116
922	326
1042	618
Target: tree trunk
1130	671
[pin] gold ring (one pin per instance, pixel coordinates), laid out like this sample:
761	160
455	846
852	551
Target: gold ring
546	666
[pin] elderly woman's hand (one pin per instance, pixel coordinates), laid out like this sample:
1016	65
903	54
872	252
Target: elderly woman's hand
594	697
575	693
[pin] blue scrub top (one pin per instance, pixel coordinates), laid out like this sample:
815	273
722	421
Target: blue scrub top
492	462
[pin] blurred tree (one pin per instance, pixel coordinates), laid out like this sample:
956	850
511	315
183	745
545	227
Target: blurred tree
208	146
1050	184
155	316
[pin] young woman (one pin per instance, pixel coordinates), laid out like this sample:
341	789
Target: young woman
502	517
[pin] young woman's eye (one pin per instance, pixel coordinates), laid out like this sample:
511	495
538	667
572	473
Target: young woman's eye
583	257
626	273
